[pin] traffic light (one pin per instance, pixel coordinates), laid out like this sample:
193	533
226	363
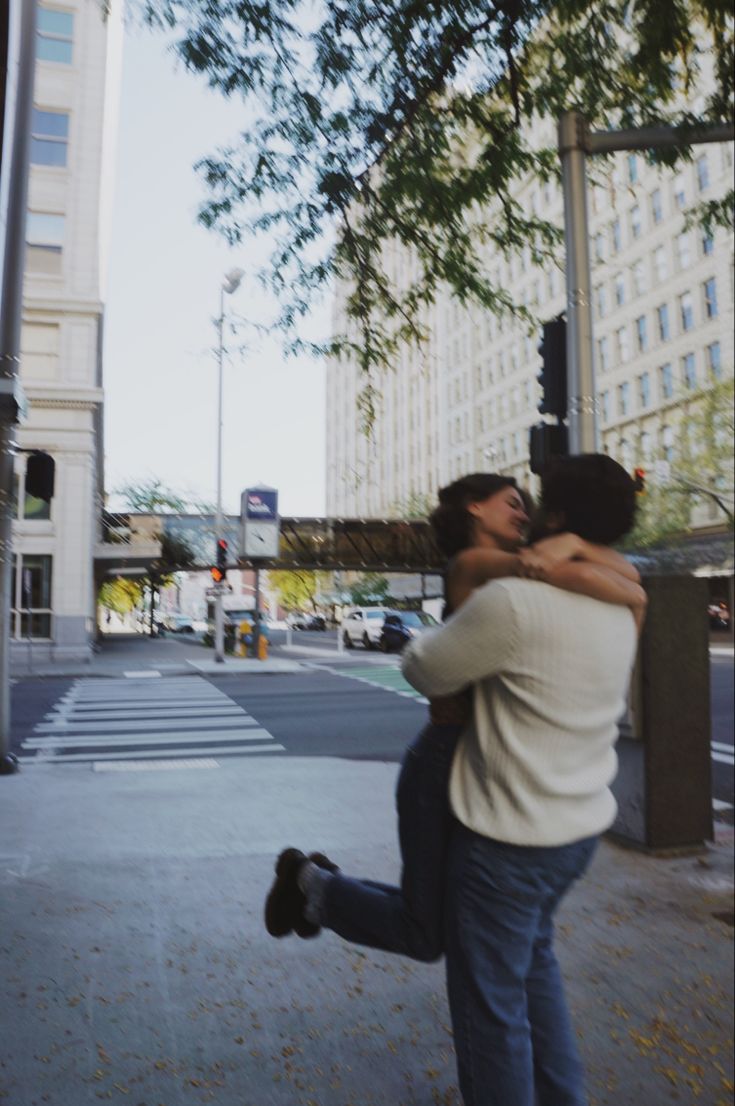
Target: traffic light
545	442
219	569
553	375
40	472
639	479
217	574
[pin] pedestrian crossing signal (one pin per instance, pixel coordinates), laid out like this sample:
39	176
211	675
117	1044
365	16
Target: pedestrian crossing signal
639	478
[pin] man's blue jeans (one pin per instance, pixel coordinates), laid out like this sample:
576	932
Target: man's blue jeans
513	1036
408	919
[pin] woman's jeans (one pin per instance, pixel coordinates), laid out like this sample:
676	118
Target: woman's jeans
408	919
512	1031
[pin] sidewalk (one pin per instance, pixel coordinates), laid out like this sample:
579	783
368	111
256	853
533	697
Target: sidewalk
137	969
120	654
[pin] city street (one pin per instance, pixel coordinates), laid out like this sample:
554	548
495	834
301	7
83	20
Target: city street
351	704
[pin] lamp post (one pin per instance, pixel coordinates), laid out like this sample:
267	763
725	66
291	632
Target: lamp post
230	283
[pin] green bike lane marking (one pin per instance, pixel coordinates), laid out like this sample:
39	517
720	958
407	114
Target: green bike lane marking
388	678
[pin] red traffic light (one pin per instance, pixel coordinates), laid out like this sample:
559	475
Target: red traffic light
639	479
217	574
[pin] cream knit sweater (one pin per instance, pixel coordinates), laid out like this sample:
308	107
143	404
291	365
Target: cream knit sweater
550	671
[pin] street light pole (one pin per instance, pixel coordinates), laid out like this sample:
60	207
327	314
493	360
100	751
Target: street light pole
229	284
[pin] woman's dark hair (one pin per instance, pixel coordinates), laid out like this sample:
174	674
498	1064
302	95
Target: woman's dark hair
593	494
451	521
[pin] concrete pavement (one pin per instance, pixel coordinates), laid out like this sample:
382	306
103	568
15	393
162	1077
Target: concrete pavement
136	969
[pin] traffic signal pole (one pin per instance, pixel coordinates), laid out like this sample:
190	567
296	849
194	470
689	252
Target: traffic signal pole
15	129
576	142
219	612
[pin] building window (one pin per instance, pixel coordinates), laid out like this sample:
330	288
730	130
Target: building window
680	192
686	311
657	210
660	263
667	443
702	173
714	360
599	252
710	298
684	250
49	137
644	389
636	221
708	244
605	406
623	339
624	398
55	34
632	169
616	238
44	241
39	351
645	446
619	289
667	381
662	318
689	371
639	278
603	353
641	330
31	591
601	299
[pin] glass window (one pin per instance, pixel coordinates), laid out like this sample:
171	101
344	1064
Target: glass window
667	381
599	250
601	300
644	389
639	278
619	289
616	237
605	406
632	169
702	173
44	241
710	298
636	221
680	192
667	443
686	311
708	245
603	351
624	398
623	339
49	137
31	591
714	360
657	210
645	446
54	35
684	250
660	263
662	319
689	371
641	330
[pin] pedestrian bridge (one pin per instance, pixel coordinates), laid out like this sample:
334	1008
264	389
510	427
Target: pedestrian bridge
172	542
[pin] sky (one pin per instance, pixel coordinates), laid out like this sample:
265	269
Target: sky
165	272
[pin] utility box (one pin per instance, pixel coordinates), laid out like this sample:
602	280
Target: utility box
664	782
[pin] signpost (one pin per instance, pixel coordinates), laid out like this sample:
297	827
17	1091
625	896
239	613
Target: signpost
260	538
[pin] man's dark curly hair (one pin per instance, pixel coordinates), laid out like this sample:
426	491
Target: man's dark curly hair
593	495
452	522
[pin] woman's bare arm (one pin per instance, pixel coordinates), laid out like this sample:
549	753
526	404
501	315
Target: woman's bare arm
566	547
602	583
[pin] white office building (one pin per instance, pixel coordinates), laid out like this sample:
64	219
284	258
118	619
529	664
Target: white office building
663	326
73	141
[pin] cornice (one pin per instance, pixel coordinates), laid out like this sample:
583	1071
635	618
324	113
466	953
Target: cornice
44	395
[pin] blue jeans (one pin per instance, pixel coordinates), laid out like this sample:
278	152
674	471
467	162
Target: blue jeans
513	1035
408	919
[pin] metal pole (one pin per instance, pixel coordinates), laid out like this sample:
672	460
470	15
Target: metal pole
256	621
21	28
219	614
581	383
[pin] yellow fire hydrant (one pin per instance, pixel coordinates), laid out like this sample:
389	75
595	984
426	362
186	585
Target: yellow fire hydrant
262	647
246	631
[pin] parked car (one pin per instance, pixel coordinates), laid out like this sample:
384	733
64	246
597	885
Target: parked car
719	616
316	622
400	627
362	625
298	620
179	624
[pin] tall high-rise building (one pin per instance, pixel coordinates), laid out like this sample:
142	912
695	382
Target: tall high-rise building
77	78
663	326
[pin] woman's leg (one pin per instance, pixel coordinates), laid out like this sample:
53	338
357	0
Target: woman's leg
406	919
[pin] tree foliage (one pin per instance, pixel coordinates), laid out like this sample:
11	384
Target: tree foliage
297	591
152	495
413	122
369	587
121	595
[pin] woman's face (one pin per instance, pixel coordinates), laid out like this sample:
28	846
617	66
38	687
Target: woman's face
501	520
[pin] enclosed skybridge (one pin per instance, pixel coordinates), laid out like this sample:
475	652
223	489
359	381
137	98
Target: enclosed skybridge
187	542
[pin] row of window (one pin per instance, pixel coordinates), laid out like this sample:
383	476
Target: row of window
54	35
662	327
667	383
31	596
615	293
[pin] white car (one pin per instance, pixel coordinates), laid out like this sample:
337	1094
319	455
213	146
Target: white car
363	625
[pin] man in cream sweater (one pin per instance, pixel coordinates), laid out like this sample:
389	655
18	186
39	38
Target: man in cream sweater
530	791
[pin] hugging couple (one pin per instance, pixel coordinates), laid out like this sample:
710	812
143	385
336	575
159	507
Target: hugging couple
504	794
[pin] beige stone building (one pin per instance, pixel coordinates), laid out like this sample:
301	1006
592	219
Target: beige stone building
663	326
72	147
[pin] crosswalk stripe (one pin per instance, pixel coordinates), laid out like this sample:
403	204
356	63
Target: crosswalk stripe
109	719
